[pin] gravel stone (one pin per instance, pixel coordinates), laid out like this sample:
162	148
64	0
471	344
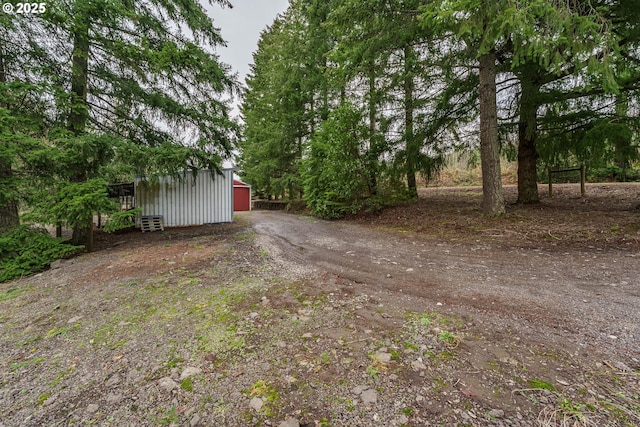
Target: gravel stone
256	403
359	389
189	372
417	365
496	413
195	420
92	408
382	357
369	397
114	398
290	422
114	380
167	384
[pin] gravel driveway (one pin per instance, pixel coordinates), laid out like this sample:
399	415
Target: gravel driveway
591	297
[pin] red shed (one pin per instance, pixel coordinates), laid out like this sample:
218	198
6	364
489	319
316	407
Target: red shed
241	196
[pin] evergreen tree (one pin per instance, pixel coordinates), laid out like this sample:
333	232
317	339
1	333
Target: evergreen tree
141	73
275	111
286	99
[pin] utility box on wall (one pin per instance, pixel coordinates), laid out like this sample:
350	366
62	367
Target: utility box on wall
206	198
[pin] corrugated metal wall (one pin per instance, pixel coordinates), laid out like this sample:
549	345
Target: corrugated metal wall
182	203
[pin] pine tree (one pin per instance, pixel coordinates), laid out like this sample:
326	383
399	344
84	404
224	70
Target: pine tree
142	75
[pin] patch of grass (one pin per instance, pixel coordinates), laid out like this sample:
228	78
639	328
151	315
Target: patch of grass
268	394
425	320
19	365
264	390
540	384
187	384
411	346
568	413
445	356
31	340
374	370
248	235
129	284
43	398
434	319
12	293
173	360
59	331
168	418
438	384
60	377
449	339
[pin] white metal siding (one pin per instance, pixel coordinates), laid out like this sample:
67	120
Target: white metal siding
182	203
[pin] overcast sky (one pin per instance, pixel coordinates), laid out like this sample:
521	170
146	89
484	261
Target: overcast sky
241	27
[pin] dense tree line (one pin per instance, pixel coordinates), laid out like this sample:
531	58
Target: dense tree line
349	100
93	91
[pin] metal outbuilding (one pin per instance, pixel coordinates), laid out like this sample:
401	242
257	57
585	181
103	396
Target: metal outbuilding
206	198
241	196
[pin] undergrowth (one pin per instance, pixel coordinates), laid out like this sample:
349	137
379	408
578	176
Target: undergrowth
25	250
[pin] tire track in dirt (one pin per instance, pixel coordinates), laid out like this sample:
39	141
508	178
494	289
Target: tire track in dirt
584	295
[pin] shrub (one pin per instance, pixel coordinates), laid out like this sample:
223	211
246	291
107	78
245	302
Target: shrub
335	171
25	250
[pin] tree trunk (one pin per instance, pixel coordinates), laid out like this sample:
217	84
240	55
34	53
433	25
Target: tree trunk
9	209
622	143
372	153
79	77
527	153
300	186
412	146
78	114
492	194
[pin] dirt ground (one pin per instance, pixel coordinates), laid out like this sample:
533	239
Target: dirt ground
424	315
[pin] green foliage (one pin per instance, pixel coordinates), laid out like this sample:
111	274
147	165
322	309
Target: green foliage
95	92
187	384
275	109
121	219
540	384
604	146
613	173
410	68
72	203
335	174
25	250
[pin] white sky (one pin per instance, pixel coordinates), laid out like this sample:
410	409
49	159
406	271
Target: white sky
241	27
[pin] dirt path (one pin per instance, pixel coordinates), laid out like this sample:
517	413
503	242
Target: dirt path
585	296
424	315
